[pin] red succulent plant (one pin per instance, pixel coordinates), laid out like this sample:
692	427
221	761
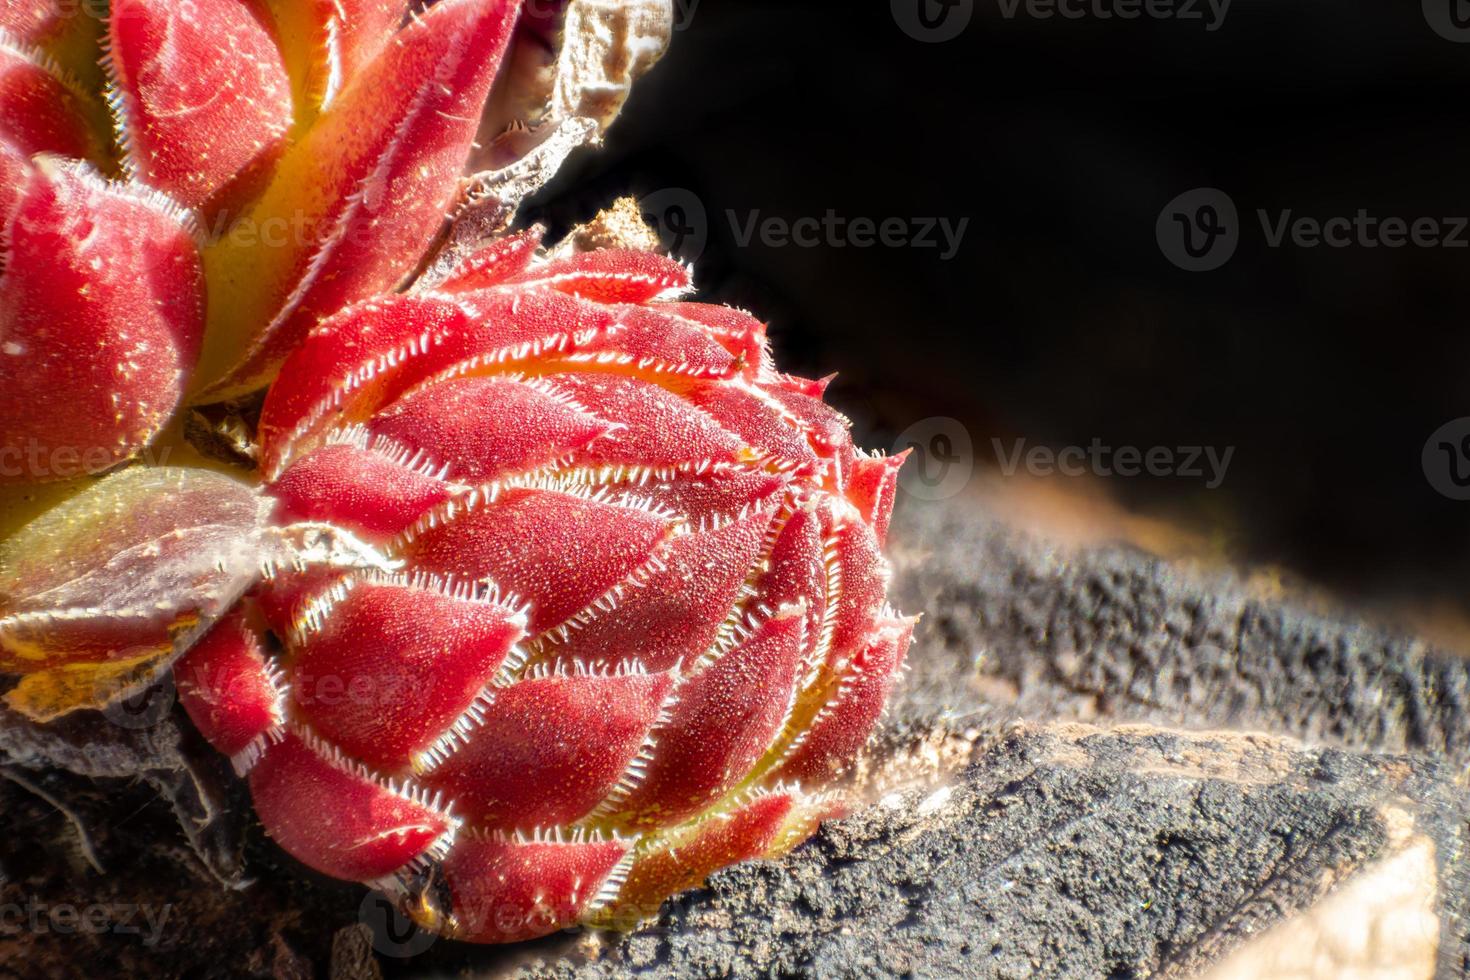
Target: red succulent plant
550	595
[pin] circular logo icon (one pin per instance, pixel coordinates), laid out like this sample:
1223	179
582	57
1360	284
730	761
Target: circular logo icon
678	216
1446	459
394	934
932	21
943	458
145	708
1198	230
1450	19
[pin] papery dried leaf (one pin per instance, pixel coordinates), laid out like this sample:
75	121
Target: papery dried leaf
572	59
100	593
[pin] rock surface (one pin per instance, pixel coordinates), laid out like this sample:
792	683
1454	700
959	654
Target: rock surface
1069	851
1056	797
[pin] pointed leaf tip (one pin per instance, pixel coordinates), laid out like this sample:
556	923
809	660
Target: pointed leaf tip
201	95
358	200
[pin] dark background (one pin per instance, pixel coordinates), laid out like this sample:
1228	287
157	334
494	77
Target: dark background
1060	320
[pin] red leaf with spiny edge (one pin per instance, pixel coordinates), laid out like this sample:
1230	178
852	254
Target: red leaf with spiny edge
797	573
282	599
230	689
559	551
483	428
202	96
367	189
610	276
874	490
674	612
810	387
653	343
837	732
824	426
364	358
384	669
550	748
67	30
726	717
492	264
739	332
660	428
41	110
333	815
100	318
862	577
346	361
764	825
720	494
506	889
761	422
377	493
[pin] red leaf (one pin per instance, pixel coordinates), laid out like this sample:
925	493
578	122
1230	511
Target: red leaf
333	815
100	311
359	199
202	96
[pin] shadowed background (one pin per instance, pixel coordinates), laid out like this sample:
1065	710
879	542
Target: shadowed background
1059	320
